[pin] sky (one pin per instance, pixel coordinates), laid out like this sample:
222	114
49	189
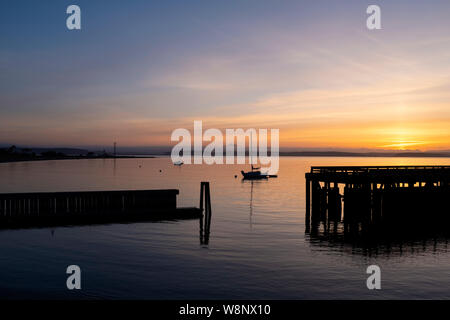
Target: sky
138	70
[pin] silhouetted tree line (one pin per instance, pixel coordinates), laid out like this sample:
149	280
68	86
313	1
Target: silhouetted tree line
13	153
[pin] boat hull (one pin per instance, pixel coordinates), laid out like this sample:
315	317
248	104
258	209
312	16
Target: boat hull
253	175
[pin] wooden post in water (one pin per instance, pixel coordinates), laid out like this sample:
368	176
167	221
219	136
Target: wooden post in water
205	207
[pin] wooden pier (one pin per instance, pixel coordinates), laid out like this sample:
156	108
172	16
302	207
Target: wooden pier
366	196
19	209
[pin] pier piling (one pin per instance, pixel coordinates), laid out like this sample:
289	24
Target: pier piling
377	195
205	207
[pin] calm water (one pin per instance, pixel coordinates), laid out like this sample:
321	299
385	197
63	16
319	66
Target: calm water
258	247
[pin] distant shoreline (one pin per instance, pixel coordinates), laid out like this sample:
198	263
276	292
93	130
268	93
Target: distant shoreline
25	159
282	154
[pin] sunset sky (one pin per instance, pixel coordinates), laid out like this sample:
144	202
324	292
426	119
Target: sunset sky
140	69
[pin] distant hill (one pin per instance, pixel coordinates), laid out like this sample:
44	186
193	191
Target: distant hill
17	154
39	150
66	151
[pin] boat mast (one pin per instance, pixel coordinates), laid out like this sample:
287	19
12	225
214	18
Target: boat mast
250	148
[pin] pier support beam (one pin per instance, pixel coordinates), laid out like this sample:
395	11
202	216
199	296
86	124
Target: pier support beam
308	205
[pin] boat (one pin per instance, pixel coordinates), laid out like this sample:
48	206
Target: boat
256	173
178	163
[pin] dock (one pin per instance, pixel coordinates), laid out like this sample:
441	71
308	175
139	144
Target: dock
86	207
386	196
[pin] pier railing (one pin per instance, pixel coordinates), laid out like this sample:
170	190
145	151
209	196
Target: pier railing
92	202
381	174
374	169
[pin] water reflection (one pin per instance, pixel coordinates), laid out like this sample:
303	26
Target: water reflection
404	235
253	184
250	215
141	260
